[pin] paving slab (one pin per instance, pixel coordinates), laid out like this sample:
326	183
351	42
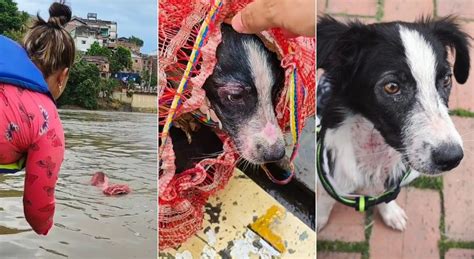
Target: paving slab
459	254
458	188
353	7
420	238
463	8
407	10
345	224
338	255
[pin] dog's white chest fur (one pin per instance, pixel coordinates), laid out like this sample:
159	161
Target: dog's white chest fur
364	160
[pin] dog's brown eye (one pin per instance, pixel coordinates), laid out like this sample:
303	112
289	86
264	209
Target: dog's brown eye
391	88
447	80
234	97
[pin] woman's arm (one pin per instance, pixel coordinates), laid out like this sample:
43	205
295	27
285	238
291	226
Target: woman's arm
42	167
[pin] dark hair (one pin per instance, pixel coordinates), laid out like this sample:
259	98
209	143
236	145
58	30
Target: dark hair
48	43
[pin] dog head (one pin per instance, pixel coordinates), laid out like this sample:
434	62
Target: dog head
398	77
242	90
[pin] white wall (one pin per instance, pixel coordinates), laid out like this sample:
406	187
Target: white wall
84	43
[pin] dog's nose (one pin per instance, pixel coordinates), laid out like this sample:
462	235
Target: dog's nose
274	153
447	156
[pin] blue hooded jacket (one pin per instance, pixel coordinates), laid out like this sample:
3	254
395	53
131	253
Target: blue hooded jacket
17	69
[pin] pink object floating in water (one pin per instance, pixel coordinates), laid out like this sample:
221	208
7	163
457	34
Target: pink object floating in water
101	180
117	189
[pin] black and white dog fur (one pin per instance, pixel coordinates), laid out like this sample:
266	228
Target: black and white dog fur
389	106
242	91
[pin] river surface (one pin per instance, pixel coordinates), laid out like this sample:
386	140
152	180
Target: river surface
89	224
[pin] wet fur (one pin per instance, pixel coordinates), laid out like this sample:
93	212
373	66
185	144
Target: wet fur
252	74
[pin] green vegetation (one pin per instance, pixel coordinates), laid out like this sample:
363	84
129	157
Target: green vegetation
146	78
137	41
339	246
119	59
462	113
444	246
106	87
12	21
97	50
380	10
82	88
424	182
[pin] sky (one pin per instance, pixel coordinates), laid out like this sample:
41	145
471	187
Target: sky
137	18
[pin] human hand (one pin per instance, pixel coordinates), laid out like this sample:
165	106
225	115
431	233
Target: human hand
296	17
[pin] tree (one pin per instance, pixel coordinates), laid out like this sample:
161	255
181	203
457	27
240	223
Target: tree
121	59
97	50
12	21
107	86
137	41
10	17
83	86
154	80
147	79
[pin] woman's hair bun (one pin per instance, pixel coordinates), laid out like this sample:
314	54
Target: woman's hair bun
59	14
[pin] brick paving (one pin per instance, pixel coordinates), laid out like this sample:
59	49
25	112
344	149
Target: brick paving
338	255
345	224
459	187
407	10
463	8
420	239
455	254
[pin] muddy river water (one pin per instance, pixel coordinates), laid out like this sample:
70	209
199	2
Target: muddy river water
89	224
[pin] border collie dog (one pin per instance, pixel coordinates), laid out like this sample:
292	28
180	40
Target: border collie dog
388	107
242	91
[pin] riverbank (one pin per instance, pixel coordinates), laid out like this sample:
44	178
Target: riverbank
113	105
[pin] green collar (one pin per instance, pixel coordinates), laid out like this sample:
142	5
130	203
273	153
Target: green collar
358	202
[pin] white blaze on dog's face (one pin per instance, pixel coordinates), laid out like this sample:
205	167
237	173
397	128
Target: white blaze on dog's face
242	90
396	75
430	138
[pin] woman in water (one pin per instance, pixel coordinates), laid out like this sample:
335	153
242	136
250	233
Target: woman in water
31	133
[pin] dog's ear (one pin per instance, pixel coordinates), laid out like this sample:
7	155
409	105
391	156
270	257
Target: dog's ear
448	31
339	44
329	30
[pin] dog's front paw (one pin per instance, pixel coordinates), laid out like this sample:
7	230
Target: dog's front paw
393	215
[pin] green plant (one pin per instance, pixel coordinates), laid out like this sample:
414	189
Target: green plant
97	50
137	41
11	19
83	86
462	113
120	59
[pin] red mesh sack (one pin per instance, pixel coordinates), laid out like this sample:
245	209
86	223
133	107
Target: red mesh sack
182	195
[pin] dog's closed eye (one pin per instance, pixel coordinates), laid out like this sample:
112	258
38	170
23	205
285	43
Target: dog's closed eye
232	94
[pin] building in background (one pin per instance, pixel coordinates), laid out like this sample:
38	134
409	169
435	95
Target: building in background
102	64
87	31
150	63
125	42
137	62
